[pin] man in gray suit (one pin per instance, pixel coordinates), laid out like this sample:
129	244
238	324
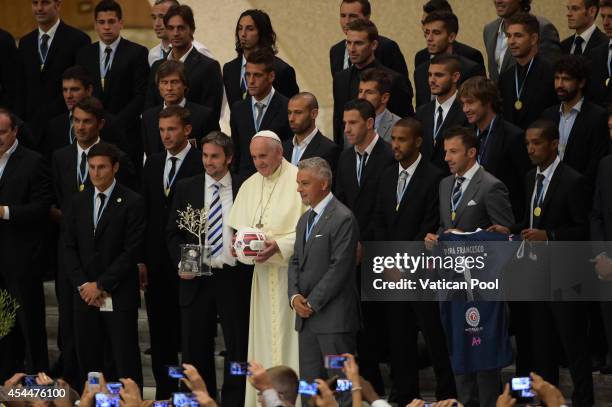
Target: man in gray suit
471	198
375	87
322	288
497	45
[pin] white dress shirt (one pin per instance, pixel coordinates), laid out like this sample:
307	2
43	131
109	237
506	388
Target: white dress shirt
182	103
157	52
446	106
183	58
299	148
548	174
266	102
410	170
3	161
180	158
501	47
108	192
227	200
80	152
566	124
586	36
50	33
469	174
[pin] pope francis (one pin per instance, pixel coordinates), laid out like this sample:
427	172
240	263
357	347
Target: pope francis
269	201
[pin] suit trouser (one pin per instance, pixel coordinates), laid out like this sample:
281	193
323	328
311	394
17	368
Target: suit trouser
404	320
163	313
29	332
107	335
606	314
313	348
226	293
568	321
479	389
370	344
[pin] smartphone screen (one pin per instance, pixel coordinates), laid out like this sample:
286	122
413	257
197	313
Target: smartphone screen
184	399
521	389
176	372
334	361
114	387
29	381
160	403
344	385
308	389
239	368
107	400
93	381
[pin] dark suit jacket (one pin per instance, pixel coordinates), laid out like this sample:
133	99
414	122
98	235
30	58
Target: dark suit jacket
549	45
191	191
56	133
25	189
158	205
64	172
109	254
538	93
205	82
459	48
203	121
601	216
425	114
319	146
40	95
322	269
388	53
126	82
564	213
346	88
588	141
599	89
418	212
421	81
242	124
284	80
503	154
597	38
362	199
8	70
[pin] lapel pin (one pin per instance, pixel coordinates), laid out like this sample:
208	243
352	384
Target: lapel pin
119	200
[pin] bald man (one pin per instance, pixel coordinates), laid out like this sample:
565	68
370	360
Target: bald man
268	201
307	140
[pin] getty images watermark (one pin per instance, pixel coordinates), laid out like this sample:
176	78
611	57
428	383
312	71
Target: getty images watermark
504	270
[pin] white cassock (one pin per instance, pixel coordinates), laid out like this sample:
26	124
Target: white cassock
273	340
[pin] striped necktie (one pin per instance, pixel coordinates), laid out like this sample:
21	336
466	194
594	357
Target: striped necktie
457	192
215	222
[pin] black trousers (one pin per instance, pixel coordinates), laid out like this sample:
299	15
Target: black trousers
568	322
107	336
25	347
163	313
371	345
404	320
227	293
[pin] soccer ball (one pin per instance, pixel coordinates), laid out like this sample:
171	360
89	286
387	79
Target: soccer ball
248	243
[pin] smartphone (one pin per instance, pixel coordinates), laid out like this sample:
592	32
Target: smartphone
239	368
176	372
308	389
29	380
161	403
343	385
184	399
114	387
93	381
334	361
521	389
107	400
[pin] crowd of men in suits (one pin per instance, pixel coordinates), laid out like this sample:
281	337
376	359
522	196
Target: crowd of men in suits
528	145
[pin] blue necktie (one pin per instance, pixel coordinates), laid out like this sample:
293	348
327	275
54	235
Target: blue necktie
215	222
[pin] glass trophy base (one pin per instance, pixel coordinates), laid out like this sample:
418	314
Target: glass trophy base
193	262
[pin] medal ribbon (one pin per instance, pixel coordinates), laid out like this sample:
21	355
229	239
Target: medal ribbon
519	92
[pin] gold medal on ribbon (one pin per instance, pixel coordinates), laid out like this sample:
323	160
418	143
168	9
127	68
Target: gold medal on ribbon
396	207
81	188
607	81
42	66
537	211
453	215
518	105
103	83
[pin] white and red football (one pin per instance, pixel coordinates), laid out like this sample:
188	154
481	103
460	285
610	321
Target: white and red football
248	243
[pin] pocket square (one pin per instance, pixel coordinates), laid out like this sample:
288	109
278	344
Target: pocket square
471	203
318	236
